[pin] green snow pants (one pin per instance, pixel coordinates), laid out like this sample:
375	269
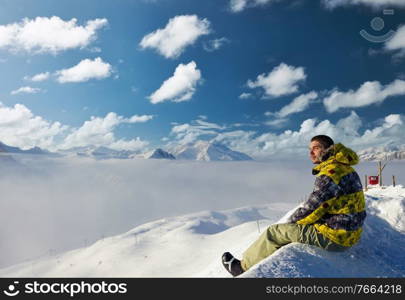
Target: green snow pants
278	235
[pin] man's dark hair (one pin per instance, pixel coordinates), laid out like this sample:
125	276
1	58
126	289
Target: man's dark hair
324	140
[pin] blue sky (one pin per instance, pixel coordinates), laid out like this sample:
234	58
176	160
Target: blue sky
261	77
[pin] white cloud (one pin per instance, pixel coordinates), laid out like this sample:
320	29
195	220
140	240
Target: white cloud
245	96
294	142
188	133
215	44
278	123
85	70
38	77
368	93
25	90
350	125
48	35
180	87
21	128
133	145
100	132
299	104
237	5
330	4
240	5
397	42
180	32
140	119
282	80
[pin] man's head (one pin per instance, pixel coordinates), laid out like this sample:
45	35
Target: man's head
318	146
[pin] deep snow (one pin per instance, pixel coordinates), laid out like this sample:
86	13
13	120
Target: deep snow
191	246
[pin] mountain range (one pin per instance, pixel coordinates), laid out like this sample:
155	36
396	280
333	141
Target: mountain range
208	151
387	152
200	150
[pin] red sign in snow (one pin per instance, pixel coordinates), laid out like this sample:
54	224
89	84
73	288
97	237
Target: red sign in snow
373	179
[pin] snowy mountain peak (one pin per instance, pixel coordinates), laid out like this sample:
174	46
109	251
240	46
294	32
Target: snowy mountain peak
158	154
387	152
11	149
208	151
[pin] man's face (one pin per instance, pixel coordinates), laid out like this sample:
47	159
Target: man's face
316	150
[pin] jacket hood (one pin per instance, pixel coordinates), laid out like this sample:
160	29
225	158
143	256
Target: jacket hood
338	153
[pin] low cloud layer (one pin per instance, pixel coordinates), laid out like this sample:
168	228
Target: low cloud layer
55	205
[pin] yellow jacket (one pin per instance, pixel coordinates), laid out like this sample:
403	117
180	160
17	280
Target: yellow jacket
336	207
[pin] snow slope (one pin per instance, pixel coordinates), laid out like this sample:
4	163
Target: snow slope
191	246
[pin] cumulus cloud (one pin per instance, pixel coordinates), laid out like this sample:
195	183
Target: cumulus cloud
292	143
368	93
21	128
48	35
299	104
397	42
25	90
38	77
215	44
84	71
179	33
100	132
330	4
239	5
180	87
282	80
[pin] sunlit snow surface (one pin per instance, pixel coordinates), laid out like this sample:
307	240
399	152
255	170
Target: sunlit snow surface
184	244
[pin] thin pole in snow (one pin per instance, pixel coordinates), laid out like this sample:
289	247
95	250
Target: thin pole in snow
258	225
365	182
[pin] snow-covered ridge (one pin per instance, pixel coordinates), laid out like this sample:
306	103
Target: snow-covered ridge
157	154
388	152
191	246
10	149
200	150
208	151
98	152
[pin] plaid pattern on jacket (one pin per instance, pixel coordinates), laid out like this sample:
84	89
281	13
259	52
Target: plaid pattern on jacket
336	207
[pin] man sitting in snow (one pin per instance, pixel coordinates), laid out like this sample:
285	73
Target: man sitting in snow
331	218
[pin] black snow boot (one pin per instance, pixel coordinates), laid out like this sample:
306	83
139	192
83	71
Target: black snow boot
231	264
